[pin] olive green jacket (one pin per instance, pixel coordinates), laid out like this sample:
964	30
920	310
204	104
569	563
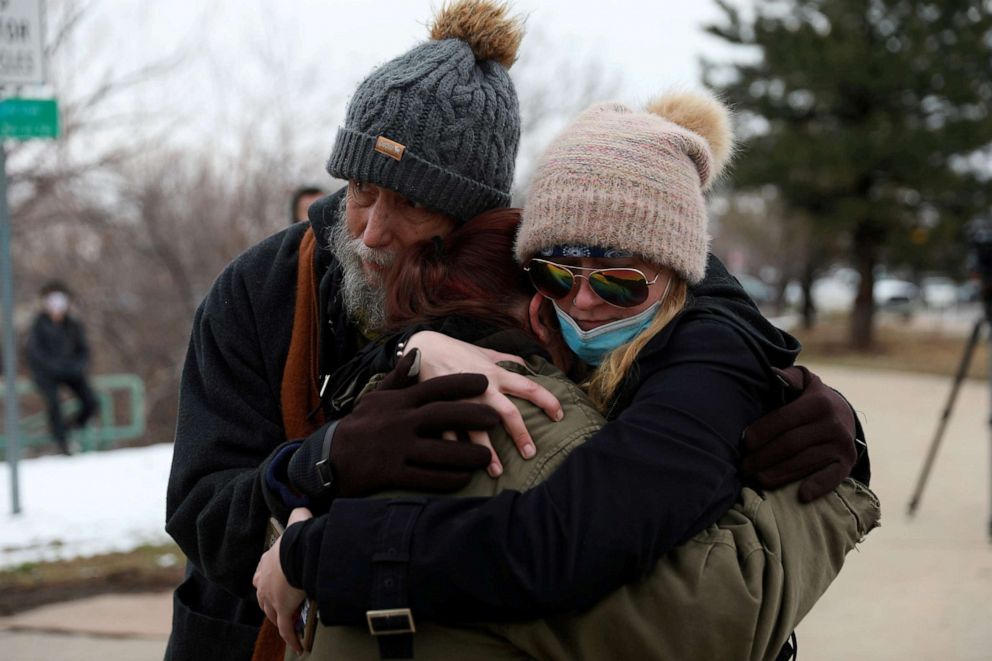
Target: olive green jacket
734	591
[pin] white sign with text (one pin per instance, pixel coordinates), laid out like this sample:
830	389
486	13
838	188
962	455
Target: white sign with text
22	45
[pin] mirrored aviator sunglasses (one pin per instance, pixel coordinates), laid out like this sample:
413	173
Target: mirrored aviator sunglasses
620	287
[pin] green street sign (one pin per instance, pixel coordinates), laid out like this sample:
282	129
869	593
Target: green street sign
23	119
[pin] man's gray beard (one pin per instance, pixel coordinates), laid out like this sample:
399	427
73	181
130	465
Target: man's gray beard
364	298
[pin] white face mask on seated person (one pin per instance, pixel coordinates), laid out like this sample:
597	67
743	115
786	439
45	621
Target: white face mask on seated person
56	304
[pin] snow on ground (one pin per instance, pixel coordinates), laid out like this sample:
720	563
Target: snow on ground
86	504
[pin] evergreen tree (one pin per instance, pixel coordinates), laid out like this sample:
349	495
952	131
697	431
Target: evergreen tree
871	116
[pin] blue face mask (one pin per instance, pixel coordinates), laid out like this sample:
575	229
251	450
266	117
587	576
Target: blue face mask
591	346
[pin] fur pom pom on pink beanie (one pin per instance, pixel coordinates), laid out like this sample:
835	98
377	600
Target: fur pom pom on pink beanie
632	181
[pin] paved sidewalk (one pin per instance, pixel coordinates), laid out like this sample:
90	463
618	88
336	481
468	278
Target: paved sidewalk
917	589
125	627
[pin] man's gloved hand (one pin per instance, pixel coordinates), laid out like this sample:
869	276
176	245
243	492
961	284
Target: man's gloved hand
392	439
810	438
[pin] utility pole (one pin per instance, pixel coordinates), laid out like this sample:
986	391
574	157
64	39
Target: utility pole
22	63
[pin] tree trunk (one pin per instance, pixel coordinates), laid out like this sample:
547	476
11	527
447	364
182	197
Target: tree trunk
863	316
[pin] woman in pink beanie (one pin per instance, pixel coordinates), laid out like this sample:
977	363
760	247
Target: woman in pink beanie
614	238
614	229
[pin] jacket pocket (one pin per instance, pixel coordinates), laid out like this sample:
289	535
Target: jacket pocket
209	623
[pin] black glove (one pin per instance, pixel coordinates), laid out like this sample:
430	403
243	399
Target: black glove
392	439
810	438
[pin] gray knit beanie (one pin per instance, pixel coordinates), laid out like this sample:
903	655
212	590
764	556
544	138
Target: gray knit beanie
631	182
440	124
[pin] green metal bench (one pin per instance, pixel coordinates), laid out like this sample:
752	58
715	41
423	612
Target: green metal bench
104	429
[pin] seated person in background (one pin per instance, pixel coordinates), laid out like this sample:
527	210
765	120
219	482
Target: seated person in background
58	355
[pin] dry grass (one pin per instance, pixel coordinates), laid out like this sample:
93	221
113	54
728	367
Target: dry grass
900	345
144	569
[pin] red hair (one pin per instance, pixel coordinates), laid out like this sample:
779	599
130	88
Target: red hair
470	272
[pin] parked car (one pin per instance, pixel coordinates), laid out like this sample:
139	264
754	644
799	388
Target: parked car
896	295
836	292
759	292
833	292
970	291
938	292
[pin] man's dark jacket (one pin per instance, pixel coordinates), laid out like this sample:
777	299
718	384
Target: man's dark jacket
229	424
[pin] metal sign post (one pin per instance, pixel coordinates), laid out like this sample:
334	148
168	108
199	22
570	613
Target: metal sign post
11	418
22	62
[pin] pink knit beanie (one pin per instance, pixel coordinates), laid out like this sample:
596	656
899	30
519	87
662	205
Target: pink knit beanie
631	182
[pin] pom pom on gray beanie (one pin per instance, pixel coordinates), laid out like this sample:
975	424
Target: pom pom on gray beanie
440	124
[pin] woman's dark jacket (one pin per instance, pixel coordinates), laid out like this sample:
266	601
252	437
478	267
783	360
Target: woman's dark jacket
554	548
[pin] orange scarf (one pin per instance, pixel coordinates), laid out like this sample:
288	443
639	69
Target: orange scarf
300	394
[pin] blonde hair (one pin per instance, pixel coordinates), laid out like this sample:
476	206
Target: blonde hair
604	383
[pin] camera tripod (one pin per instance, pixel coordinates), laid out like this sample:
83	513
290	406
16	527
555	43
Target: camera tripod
969	351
